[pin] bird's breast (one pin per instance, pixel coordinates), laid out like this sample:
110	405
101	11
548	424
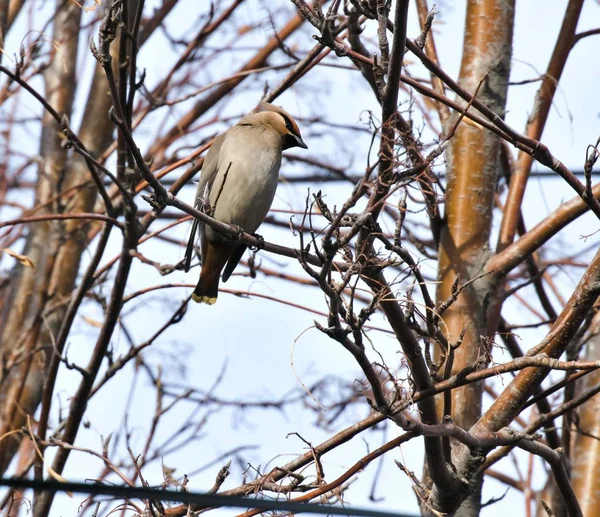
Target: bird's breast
245	184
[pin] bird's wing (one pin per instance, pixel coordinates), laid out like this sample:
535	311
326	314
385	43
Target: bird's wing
233	261
189	250
207	177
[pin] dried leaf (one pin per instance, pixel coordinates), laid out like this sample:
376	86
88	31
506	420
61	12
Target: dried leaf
57	477
168	472
23	259
92	322
87	9
51	472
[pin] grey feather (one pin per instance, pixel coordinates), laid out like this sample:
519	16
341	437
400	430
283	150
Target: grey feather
239	178
207	176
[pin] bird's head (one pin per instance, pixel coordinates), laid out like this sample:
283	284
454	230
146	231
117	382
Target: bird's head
282	122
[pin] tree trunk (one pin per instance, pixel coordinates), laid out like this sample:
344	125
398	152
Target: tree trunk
473	162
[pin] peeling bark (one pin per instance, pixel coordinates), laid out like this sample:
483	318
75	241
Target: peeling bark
473	162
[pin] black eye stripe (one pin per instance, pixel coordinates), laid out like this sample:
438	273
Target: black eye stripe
288	124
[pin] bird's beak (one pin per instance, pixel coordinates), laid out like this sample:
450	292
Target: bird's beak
299	142
291	140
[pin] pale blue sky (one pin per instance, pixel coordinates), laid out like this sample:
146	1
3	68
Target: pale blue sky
256	338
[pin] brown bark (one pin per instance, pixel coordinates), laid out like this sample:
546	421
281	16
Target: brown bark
472	164
4	6
472	158
431	52
25	341
14	8
96	133
9	9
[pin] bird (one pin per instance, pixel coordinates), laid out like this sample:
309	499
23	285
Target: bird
237	186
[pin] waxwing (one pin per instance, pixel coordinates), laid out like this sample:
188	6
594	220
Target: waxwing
237	186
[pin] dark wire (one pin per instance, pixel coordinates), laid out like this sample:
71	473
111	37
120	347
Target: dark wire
195	498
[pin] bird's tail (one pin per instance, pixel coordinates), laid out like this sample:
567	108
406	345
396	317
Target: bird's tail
206	292
213	263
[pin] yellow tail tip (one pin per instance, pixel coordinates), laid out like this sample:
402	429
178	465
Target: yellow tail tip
204	299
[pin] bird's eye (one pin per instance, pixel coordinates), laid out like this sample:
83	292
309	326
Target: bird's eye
288	124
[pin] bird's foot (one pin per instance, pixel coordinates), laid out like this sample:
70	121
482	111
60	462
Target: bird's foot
239	233
261	242
157	202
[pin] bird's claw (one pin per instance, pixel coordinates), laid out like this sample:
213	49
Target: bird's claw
239	232
154	201
261	242
157	201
